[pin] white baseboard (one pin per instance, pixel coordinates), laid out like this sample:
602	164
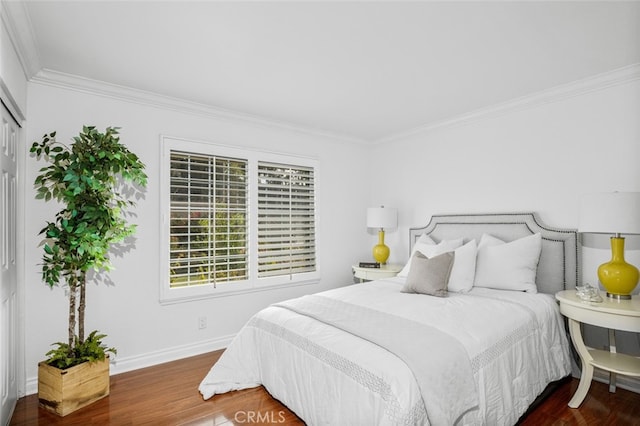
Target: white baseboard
135	362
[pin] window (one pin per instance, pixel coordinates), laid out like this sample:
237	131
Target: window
235	220
208	223
286	220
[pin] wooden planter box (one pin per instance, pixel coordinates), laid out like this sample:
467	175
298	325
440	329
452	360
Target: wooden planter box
65	391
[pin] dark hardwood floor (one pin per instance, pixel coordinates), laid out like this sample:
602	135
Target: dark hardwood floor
168	395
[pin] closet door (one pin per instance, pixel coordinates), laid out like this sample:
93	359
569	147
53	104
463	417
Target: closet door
8	269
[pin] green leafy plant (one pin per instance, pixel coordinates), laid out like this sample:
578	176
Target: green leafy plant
94	180
89	350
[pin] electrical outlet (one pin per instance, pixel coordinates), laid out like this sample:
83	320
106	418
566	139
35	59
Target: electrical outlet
202	322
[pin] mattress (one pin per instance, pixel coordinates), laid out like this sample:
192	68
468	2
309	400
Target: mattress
515	343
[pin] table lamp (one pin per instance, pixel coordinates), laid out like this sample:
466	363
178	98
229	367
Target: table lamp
613	213
381	218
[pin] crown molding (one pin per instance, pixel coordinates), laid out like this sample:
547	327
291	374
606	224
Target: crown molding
128	94
559	93
16	20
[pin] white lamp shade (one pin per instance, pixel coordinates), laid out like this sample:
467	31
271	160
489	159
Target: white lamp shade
610	213
382	217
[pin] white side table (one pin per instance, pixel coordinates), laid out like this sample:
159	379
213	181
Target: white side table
370	274
611	314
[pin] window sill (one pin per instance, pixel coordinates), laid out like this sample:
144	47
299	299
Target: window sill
190	294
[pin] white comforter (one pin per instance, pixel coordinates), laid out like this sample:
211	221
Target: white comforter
515	342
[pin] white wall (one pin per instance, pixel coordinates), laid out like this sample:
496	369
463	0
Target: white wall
540	158
140	328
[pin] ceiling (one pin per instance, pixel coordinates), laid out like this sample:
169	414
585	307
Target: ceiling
362	70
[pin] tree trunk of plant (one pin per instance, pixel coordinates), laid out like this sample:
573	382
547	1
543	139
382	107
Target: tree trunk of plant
82	284
72	310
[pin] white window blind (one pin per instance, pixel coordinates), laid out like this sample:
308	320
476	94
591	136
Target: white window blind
208	219
286	220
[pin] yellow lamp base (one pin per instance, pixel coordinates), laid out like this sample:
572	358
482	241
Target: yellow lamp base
380	250
617	276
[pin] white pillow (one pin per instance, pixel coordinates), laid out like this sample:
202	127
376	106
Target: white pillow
429	248
508	266
464	268
424	238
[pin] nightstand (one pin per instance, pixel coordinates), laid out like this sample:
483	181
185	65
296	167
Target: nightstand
370	274
612	314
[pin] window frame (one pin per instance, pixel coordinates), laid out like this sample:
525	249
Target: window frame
254	283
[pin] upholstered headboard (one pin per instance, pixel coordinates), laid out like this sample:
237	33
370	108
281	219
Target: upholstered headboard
558	265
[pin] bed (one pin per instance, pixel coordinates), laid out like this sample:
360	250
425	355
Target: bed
378	353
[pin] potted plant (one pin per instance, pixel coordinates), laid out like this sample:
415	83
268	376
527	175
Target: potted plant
94	180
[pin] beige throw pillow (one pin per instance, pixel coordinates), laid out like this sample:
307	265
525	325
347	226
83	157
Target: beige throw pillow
429	248
429	275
